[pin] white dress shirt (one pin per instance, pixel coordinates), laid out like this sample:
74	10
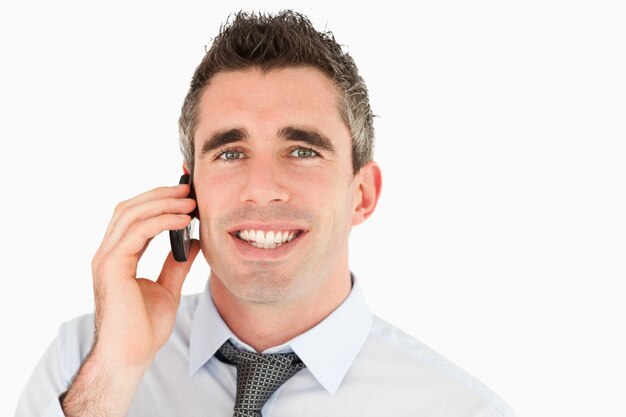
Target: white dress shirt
356	365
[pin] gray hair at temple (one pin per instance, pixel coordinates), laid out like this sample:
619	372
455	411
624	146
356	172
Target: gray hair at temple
287	39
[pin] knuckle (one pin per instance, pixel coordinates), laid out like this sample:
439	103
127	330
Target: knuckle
120	207
124	210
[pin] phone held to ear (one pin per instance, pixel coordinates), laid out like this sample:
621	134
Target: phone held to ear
181	239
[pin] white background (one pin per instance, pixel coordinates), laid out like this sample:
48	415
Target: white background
500	236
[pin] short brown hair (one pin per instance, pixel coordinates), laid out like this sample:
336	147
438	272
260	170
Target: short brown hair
287	39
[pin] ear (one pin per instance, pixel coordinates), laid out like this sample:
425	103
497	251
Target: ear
369	185
185	168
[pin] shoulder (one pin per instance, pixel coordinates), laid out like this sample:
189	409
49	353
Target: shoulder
420	368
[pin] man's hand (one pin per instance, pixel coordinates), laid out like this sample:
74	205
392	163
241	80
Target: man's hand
134	316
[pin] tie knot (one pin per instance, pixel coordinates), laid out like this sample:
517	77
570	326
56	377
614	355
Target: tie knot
229	353
258	375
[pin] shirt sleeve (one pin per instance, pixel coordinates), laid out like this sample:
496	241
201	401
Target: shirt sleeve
40	396
55	370
54	410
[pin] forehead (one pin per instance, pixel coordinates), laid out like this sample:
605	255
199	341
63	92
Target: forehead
258	100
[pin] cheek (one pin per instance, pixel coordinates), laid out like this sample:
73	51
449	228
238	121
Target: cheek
212	195
321	194
337	201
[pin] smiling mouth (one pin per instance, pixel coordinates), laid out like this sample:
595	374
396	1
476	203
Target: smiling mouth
268	239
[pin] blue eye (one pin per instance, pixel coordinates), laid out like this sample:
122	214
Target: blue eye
304	153
230	155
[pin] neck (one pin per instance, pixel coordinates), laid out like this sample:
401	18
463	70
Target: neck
263	326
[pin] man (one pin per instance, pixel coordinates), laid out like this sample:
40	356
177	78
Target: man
277	134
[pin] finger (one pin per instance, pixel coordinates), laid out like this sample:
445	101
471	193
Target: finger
173	273
143	211
177	191
132	244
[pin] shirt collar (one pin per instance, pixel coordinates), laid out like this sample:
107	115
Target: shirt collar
328	349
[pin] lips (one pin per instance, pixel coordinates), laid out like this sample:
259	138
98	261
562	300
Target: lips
267	239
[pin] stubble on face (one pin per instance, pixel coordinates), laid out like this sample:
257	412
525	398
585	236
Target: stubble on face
315	197
259	281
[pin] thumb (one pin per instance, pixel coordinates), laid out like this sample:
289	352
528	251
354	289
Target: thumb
173	273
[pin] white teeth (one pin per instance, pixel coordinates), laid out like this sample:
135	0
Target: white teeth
266	240
265	245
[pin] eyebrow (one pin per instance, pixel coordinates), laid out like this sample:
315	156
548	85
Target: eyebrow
310	137
222	138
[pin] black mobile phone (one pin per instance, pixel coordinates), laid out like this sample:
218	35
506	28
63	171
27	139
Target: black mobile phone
181	239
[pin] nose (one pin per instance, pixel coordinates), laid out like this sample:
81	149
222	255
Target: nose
264	183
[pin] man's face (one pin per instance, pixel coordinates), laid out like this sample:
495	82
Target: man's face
273	155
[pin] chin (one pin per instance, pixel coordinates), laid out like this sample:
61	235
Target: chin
262	287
